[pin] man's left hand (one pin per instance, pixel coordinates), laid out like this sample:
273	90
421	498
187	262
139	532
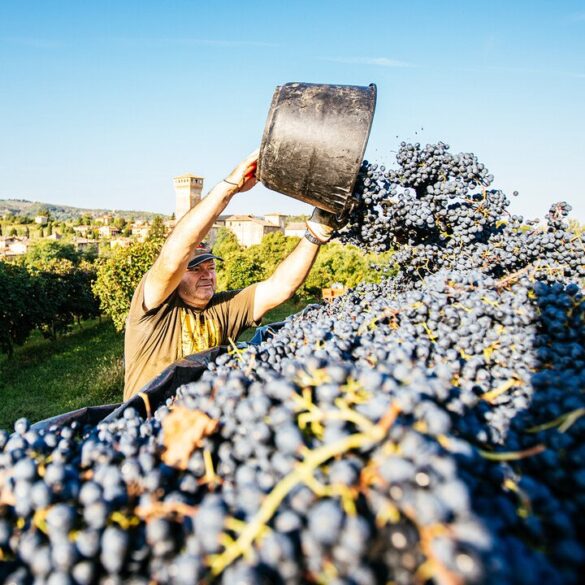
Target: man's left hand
322	224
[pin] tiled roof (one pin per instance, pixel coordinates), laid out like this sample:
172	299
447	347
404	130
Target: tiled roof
252	219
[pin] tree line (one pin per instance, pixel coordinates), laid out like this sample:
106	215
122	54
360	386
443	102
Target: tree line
118	276
48	289
336	263
54	285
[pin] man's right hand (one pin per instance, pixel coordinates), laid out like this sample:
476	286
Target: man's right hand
243	177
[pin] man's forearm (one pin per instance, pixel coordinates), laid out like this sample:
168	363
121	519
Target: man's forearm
293	270
286	279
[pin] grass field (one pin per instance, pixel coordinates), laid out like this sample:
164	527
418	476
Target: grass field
46	378
82	368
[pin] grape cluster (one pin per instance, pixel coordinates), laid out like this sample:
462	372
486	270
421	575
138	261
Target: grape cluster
436	210
416	430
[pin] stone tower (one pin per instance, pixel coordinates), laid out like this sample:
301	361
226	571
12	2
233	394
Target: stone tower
188	189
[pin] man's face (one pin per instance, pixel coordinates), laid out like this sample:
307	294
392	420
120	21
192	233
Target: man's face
198	284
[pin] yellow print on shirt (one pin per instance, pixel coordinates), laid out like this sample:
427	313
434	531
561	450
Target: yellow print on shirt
198	332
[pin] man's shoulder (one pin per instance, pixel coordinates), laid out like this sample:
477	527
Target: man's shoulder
223	296
138	313
232	296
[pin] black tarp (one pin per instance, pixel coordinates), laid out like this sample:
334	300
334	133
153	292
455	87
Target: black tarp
156	392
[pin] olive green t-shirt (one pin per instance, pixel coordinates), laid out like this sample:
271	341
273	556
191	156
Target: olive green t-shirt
155	339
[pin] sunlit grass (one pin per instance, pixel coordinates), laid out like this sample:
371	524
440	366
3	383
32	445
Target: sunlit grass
83	368
45	378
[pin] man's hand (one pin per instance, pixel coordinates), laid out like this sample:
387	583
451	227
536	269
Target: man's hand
322	224
243	177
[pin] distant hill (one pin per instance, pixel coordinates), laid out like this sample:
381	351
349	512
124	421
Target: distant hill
64	212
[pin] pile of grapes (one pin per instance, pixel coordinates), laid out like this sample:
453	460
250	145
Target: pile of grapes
427	429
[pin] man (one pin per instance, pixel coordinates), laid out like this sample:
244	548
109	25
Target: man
175	310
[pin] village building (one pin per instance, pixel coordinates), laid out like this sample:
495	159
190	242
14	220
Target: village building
276	218
211	237
82	230
120	242
250	230
295	229
85	245
140	232
108	231
105	219
14	246
41	220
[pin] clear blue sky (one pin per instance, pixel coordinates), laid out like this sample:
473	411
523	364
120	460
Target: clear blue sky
103	102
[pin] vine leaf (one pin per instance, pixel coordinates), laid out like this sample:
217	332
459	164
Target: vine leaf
183	432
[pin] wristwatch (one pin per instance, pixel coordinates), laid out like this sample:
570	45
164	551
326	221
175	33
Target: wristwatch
313	239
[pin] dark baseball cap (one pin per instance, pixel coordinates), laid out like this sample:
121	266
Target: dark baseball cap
202	254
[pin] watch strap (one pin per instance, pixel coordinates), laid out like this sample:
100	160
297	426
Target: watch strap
313	239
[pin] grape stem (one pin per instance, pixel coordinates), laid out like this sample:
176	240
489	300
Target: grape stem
512	455
493	394
563	422
302	473
164	510
146	401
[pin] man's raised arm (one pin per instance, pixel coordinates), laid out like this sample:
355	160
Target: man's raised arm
294	269
166	273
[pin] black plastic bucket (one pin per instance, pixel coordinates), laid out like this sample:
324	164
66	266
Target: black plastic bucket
314	142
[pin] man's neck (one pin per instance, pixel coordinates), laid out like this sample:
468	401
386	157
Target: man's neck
196	304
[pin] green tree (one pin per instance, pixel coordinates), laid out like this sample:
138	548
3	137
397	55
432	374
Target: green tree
296	218
120	223
12	233
18	315
45	250
63	294
244	266
157	231
338	263
273	249
226	246
241	270
89	254
119	275
226	243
